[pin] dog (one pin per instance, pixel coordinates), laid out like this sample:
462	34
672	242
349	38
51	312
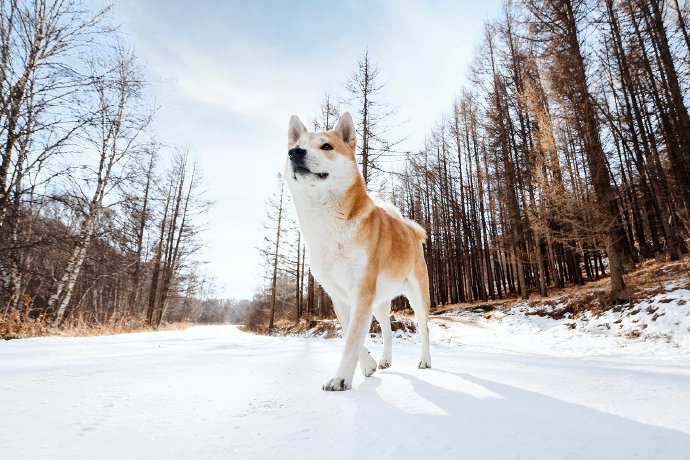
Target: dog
362	254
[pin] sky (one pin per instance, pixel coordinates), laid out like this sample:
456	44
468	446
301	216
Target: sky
228	74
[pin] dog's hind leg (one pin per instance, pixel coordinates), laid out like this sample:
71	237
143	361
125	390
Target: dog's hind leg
366	362
342	311
417	292
382	312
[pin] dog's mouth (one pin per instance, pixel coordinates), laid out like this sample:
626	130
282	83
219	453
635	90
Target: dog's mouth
303	171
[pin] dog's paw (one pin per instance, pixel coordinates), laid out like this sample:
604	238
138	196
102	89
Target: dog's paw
384	363
335	384
424	364
368	365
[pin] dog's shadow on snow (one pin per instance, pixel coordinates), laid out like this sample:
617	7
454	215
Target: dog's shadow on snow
501	421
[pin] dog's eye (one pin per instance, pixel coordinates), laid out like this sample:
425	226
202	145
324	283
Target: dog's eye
326	147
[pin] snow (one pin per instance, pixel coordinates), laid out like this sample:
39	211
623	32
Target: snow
658	326
518	387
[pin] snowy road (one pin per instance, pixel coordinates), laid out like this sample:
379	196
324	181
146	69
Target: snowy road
215	392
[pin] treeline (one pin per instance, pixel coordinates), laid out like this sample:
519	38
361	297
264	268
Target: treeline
99	221
564	159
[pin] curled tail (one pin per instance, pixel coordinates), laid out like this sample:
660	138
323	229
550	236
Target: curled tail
417	229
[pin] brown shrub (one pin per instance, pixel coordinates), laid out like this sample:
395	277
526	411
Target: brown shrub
18	325
21	326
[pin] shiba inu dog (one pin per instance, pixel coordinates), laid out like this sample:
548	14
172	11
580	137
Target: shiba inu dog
363	254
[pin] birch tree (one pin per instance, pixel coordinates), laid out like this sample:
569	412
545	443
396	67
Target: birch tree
116	125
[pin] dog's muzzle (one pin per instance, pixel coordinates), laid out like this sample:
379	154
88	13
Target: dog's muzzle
297	155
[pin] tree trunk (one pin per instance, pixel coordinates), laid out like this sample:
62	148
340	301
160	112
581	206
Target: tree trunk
272	313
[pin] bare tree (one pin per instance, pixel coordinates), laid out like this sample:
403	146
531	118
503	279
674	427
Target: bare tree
329	113
277	206
116	125
373	127
183	199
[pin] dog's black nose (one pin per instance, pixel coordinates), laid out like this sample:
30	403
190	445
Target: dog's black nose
297	153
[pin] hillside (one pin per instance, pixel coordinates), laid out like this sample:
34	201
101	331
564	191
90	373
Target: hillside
656	317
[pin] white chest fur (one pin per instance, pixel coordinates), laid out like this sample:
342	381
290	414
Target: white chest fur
336	260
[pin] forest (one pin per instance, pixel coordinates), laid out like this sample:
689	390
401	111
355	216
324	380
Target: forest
565	158
99	219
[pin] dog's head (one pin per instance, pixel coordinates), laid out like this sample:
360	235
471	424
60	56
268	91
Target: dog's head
321	160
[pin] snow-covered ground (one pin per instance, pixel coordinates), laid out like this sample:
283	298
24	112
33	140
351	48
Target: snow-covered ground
657	327
496	390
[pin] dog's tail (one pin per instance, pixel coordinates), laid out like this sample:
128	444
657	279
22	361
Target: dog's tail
417	229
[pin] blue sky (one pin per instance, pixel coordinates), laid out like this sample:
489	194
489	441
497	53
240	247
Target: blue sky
228	75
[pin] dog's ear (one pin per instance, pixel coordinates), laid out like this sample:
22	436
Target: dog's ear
346	129
295	130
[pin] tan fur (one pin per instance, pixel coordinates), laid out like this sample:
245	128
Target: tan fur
393	245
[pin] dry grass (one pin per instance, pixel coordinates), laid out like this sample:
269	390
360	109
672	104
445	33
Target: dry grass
20	326
284	327
475	306
329	328
280	327
595	300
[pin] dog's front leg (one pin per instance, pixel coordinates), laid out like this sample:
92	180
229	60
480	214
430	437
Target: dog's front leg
366	362
360	319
